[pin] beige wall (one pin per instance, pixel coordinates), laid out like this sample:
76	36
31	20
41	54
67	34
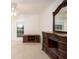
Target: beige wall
31	25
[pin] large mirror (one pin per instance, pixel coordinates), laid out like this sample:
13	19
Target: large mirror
60	18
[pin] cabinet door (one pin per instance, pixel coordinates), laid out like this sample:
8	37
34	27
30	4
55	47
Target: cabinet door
62	54
25	38
52	55
37	38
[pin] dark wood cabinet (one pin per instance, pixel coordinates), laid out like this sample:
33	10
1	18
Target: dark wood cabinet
31	38
55	45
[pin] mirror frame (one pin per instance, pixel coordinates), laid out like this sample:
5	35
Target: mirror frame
62	5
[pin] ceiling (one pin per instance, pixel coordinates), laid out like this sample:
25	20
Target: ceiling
30	6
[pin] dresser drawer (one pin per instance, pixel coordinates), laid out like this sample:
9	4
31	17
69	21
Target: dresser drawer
53	56
62	56
62	46
62	39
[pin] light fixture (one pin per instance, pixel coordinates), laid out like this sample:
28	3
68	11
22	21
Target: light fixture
13	9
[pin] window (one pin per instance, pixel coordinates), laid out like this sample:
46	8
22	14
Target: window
20	30
59	27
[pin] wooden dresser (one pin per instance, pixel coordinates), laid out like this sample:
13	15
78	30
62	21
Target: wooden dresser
31	38
55	45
